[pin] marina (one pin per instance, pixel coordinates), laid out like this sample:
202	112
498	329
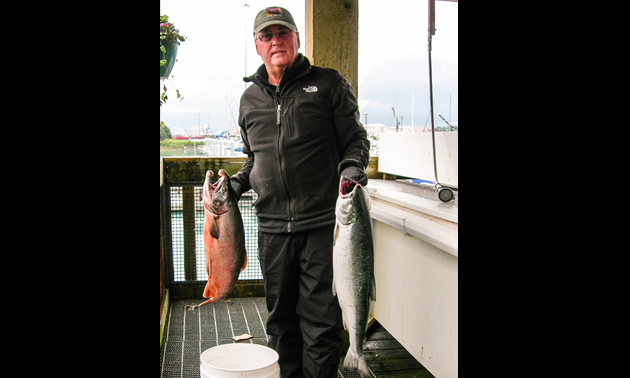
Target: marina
223	147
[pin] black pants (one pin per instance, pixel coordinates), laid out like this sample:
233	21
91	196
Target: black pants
304	324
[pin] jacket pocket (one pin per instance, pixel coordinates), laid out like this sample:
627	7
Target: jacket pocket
311	118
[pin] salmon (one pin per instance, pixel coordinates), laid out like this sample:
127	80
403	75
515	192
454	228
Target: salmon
224	238
353	268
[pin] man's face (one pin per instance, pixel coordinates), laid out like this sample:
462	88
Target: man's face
281	50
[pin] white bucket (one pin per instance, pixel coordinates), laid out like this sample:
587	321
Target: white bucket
239	361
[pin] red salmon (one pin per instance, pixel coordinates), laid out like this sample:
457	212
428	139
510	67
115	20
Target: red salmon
224	238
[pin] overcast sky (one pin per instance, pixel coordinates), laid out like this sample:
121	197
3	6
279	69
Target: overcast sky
393	60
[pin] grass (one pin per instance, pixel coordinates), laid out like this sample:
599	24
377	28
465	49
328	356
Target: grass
177	143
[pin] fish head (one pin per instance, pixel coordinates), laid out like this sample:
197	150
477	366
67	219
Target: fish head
216	197
347	186
352	202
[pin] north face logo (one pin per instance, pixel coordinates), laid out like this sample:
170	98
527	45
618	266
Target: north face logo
310	88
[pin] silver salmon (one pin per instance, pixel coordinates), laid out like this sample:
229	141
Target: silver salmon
353	266
223	236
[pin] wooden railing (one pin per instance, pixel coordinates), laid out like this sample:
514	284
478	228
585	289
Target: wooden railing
189	172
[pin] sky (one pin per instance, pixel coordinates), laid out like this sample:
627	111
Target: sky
393	61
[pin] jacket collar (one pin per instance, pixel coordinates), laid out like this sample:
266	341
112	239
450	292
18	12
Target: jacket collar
261	77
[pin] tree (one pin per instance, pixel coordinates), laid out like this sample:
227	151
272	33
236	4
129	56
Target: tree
165	132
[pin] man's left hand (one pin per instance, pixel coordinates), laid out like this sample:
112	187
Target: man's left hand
355	173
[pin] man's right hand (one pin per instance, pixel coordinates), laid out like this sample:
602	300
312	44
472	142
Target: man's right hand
237	188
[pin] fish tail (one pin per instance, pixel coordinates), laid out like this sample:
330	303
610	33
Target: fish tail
356	363
244	263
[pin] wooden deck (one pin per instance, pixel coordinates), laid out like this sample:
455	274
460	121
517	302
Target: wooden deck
188	333
387	358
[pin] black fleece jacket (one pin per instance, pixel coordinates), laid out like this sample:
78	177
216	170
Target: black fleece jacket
298	137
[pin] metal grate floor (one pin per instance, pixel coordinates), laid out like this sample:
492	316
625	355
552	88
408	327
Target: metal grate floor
188	333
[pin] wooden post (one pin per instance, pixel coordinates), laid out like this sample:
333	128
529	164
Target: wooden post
162	275
332	36
387	176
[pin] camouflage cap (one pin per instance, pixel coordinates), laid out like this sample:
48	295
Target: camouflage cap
273	16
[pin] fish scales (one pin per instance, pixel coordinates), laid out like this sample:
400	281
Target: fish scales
353	265
224	238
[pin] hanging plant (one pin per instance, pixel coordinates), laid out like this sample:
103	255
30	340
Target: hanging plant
169	41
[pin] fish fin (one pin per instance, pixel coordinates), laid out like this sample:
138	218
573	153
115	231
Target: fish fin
214	226
335	234
244	263
373	289
356	363
368	199
334	288
207	292
192	308
363	368
206	302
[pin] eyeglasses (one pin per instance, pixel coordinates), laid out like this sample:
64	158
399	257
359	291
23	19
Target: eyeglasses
268	36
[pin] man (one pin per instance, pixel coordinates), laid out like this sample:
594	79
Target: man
301	131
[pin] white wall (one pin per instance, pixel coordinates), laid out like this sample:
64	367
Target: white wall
411	155
417	292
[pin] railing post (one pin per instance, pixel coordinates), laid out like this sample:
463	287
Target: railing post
190	243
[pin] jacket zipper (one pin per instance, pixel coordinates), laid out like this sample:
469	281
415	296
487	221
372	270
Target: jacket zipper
281	150
281	157
278	119
277	98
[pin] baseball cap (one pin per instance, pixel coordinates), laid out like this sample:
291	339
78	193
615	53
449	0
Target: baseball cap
273	16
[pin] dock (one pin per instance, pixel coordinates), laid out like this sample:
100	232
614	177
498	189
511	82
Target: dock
416	254
188	333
